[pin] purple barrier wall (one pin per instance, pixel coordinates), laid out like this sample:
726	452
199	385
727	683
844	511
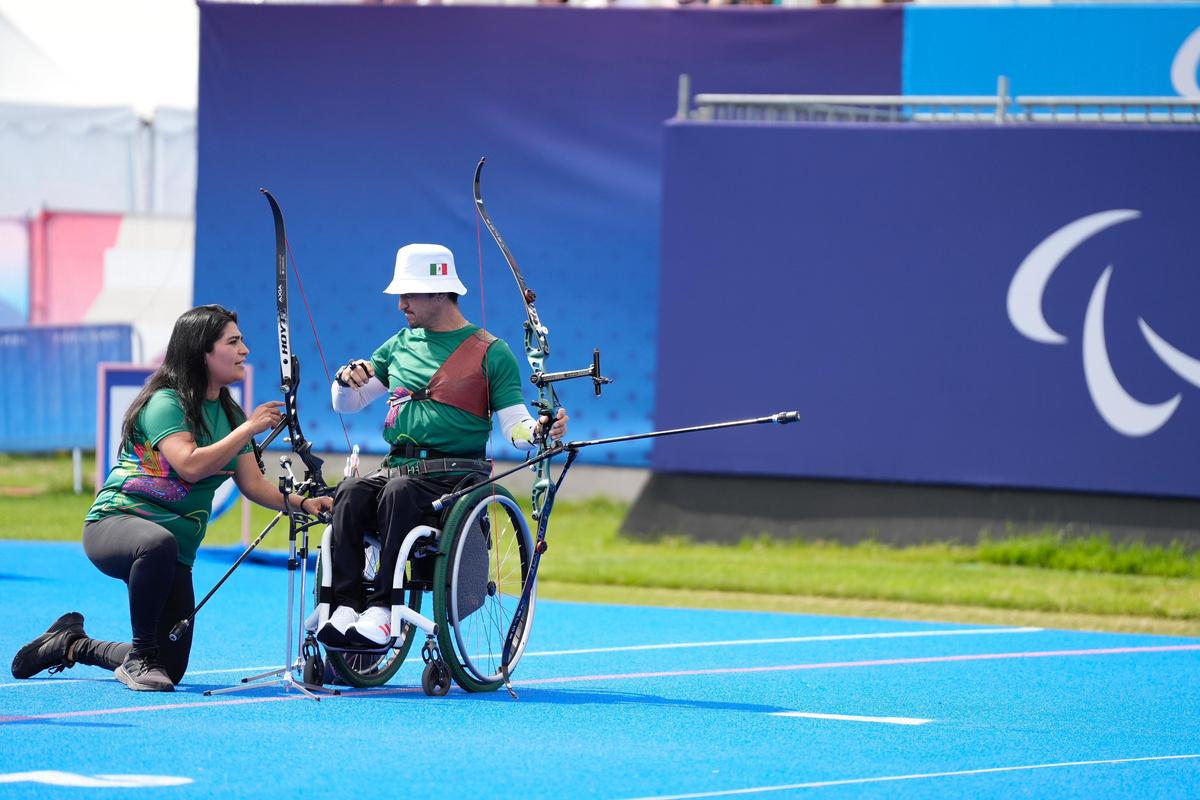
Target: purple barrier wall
366	123
1008	306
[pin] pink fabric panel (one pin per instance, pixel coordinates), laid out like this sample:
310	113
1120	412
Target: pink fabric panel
67	264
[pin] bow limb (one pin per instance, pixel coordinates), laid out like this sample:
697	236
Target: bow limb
537	349
538	330
289	365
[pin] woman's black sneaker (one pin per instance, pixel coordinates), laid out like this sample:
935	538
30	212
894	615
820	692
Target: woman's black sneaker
142	673
49	651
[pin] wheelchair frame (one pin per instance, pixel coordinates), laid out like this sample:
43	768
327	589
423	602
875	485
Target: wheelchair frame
488	512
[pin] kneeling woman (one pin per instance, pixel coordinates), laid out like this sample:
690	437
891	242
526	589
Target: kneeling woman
182	438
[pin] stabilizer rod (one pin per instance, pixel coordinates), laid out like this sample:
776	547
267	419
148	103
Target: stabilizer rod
781	418
302	489
184	624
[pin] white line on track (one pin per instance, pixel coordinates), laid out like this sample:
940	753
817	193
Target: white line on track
882	662
916	776
69	681
853	718
785	640
637	647
235	669
537	682
44	682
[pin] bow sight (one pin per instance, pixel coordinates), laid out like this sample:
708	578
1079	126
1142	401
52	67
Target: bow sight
538	379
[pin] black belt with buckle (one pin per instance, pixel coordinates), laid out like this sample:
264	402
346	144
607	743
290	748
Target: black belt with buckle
428	465
430	460
410	450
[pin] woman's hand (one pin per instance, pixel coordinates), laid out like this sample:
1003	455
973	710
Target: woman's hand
317	505
265	417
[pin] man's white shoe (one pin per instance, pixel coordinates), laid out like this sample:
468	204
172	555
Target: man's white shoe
333	632
373	628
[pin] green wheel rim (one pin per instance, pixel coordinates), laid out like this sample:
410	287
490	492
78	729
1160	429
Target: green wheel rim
474	610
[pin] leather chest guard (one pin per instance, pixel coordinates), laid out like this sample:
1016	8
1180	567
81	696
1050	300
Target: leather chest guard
461	381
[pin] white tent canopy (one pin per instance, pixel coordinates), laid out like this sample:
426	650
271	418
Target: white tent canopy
97	106
27	74
140	53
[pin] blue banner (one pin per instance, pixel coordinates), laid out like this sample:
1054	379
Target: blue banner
48	396
366	123
981	305
1137	49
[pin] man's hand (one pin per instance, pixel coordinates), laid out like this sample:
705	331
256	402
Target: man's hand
559	429
355	374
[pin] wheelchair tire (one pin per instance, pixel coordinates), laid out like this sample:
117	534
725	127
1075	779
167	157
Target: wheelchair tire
435	679
314	671
367	669
485	552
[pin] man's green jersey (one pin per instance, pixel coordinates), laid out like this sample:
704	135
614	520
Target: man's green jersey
407	363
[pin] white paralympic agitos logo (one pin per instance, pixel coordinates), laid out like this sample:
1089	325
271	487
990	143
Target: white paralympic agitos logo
1123	412
1185	64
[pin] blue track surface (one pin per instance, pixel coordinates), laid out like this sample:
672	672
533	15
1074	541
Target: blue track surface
652	703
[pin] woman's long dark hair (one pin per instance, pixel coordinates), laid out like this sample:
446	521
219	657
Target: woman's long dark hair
183	369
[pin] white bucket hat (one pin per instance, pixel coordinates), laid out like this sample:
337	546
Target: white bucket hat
424	269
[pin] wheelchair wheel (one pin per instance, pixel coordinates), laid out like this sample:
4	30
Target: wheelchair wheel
486	550
435	679
367	669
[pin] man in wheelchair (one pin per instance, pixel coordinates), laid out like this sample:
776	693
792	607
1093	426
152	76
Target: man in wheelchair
443	378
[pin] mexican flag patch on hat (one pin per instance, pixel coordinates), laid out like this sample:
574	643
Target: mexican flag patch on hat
424	269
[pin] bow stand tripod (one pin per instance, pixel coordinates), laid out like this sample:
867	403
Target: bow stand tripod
292	674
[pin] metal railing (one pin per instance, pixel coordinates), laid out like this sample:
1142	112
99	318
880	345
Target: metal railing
1000	108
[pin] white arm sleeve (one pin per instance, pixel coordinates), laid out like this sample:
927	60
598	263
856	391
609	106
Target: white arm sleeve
517	426
347	400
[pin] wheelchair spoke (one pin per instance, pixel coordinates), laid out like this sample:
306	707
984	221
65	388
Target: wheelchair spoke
483	596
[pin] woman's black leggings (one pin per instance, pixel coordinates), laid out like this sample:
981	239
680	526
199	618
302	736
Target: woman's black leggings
144	555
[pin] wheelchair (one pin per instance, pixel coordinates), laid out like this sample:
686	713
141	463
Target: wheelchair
473	558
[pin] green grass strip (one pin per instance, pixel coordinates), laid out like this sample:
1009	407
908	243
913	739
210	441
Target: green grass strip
1076	582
